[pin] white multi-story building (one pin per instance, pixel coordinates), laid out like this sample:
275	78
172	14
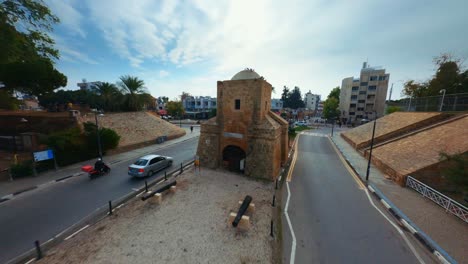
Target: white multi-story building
364	97
199	103
276	104
311	101
88	86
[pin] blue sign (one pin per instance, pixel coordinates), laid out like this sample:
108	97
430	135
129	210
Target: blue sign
43	155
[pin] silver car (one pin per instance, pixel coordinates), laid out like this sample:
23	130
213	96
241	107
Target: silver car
148	165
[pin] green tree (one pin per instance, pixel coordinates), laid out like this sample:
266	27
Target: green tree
132	86
285	97
449	76
335	93
175	108
109	95
330	108
295	99
26	60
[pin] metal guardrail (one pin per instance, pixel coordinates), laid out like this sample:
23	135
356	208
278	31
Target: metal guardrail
445	202
97	215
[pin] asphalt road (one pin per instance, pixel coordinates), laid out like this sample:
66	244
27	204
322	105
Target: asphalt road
42	214
331	215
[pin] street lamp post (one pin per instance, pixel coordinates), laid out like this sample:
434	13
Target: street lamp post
442	102
97	132
371	147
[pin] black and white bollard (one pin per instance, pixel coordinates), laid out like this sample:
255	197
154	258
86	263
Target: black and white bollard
38	249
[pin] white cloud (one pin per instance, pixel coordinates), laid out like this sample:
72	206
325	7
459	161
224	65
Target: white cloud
69	17
311	44
163	73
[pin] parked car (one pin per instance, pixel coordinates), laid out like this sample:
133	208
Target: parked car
148	165
300	123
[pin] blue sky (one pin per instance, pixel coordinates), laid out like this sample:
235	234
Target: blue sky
188	45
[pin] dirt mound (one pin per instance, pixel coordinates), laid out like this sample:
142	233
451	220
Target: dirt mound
137	127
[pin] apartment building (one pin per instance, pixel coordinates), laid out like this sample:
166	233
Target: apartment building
276	105
364	97
89	86
199	103
311	101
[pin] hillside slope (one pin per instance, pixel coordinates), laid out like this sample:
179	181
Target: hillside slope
137	127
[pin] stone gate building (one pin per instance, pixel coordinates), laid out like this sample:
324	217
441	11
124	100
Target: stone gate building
245	136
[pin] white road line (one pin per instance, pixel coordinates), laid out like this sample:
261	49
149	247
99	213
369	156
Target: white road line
135	189
120	206
72	235
140	194
293	246
385	203
30	261
397	228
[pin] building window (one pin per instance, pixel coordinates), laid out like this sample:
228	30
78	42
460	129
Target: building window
351	113
361	101
363	83
355	88
372	88
382	78
359	116
373	78
362	92
237	104
352	105
353	97
360	108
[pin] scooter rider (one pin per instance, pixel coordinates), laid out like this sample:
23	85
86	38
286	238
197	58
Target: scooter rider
99	165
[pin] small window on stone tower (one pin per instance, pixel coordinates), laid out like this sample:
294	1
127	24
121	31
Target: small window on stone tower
266	105
237	105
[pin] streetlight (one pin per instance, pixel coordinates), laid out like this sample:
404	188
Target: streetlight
96	113
371	147
442	102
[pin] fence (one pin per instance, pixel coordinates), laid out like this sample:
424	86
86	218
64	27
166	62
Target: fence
451	103
96	216
445	202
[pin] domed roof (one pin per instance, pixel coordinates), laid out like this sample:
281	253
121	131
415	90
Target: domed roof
246	74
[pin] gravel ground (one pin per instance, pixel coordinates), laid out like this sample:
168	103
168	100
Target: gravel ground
190	226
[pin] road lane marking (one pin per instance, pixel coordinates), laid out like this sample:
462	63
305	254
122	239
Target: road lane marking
397	228
353	174
293	246
293	162
74	234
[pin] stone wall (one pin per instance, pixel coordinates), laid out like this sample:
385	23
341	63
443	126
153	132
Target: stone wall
419	151
390	126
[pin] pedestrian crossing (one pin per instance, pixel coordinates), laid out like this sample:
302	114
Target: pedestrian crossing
313	134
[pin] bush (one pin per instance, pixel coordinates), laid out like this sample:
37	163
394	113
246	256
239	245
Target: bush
22	169
109	138
393	109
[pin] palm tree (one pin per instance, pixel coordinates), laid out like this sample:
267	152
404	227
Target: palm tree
132	86
108	92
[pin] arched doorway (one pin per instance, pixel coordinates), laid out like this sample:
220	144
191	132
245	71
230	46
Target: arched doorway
234	158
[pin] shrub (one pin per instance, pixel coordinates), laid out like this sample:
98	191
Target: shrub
392	109
22	169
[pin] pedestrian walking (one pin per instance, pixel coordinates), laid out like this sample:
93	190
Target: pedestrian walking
191	129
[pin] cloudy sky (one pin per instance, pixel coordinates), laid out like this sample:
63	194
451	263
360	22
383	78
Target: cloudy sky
188	45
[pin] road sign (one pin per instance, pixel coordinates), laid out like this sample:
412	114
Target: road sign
43	155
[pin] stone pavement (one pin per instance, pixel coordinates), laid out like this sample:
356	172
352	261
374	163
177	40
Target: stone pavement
8	188
448	231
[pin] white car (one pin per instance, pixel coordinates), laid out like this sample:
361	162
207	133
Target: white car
300	123
148	165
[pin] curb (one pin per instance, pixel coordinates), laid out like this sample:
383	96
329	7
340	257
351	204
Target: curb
404	220
12	195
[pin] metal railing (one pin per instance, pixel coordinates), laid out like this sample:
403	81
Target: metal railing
445	202
451	103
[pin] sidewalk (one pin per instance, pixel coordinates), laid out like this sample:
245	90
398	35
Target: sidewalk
445	229
9	188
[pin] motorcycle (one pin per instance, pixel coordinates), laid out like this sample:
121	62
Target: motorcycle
93	173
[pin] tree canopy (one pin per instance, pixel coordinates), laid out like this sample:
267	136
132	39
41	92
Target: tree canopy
28	53
292	99
330	106
449	75
175	108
